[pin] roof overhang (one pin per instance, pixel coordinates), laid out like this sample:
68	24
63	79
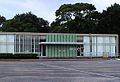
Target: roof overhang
60	43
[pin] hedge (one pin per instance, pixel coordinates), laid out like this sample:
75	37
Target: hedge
18	56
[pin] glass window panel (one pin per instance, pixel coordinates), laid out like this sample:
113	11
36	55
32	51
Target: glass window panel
10	48
17	43
99	39
93	39
100	50
87	50
112	50
3	49
86	39
93	50
106	39
10	38
27	43
2	38
112	39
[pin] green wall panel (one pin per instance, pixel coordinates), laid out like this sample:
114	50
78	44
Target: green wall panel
61	38
71	52
61	50
67	50
48	51
55	38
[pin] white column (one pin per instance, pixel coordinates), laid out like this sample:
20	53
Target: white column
34	44
19	43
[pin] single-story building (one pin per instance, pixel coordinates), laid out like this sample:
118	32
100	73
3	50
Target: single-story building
59	44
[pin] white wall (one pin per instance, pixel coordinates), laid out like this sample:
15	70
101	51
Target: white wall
6	43
100	46
94	46
86	43
112	46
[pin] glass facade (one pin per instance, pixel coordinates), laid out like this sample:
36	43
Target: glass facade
28	43
99	46
86	44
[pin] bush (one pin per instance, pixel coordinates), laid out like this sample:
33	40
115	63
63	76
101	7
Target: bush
18	56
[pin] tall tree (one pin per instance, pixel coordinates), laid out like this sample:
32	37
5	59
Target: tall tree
110	20
2	20
75	18
26	22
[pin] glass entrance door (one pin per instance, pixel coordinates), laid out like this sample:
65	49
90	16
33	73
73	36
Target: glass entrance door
80	50
43	50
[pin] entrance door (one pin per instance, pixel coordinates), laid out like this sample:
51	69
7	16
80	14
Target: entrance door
80	50
43	50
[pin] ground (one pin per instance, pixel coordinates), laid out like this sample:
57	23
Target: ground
60	71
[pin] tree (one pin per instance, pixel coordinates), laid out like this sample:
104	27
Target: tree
26	22
2	20
76	18
110	20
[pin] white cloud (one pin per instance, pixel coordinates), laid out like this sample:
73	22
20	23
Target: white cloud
103	4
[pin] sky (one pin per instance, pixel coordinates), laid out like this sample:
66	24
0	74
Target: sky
45	8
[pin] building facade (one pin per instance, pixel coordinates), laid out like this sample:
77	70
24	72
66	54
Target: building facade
60	44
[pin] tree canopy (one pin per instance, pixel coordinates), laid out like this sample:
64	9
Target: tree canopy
110	20
77	18
71	18
2	19
26	22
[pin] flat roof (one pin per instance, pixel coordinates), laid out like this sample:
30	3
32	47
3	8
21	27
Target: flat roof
31	33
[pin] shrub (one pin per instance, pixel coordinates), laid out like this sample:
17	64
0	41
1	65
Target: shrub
18	56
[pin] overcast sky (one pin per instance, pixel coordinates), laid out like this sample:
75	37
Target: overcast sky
45	8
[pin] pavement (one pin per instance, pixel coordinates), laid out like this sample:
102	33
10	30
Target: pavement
60	71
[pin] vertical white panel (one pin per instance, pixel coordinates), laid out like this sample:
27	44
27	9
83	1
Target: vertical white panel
6	43
10	43
112	50
106	46
99	46
100	50
112	39
10	48
99	39
93	50
3	49
3	44
2	38
93	46
86	39
112	46
106	39
86	42
86	50
10	38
